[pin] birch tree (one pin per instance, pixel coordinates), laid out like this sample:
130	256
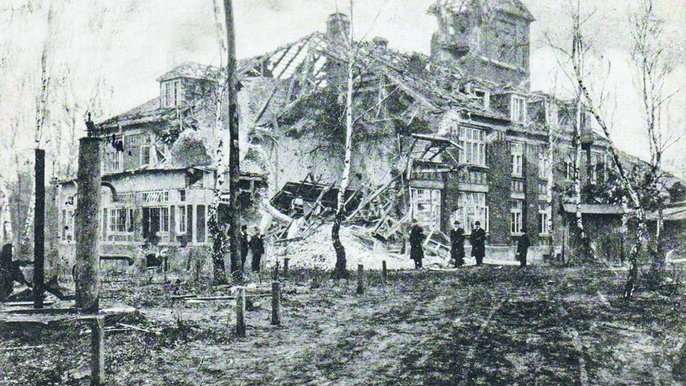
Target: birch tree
651	59
636	215
341	270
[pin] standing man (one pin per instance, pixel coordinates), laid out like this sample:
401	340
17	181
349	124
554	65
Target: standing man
457	244
523	248
416	240
257	249
243	239
478	241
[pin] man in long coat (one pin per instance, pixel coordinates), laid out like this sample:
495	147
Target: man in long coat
523	248
416	240
457	244
257	249
478	241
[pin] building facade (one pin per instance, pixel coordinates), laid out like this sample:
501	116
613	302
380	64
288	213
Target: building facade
489	150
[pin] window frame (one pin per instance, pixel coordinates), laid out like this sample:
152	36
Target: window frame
516	217
518	108
517	158
473	142
472	207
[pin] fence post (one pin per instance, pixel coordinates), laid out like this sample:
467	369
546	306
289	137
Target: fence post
384	271
276	303
285	266
360	279
86	224
275	275
98	350
240	312
198	269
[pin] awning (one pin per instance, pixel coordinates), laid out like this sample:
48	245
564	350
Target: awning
600	209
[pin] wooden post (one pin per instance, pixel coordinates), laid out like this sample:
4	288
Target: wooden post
240	312
285	266
98	350
275	275
276	303
39	231
86	224
384	271
360	279
197	263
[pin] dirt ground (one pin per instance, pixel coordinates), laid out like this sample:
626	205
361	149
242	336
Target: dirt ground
490	325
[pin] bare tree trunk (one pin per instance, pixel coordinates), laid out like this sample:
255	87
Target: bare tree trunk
234	167
341	270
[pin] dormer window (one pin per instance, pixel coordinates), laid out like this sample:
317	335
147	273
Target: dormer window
551	113
485	98
170	93
518	109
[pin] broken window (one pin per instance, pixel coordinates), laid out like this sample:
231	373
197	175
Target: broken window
67	225
155	221
113	159
516	217
426	207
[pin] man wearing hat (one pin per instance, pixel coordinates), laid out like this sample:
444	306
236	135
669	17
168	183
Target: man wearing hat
478	241
457	244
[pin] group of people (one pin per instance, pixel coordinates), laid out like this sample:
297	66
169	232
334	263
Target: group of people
477	239
253	244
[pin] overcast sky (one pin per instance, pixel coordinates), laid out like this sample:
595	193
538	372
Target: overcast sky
118	48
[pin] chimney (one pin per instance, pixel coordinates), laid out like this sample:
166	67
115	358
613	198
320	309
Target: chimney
338	26
380	42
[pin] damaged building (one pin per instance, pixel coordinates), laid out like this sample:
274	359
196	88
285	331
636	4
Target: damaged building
457	135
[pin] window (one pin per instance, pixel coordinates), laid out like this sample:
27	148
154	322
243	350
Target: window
170	93
145	150
200	224
517	150
569	170
181	220
182	195
544	220
426	207
67	225
485	98
113	160
155	220
472	208
551	113
543	188
516	217
517	186
518	109
117	220
473	142
543	165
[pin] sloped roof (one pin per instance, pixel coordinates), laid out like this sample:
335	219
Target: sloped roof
191	71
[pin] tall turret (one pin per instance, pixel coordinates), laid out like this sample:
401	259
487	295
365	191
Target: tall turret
488	38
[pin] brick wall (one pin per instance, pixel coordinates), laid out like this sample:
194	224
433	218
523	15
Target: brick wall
449	200
498	198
